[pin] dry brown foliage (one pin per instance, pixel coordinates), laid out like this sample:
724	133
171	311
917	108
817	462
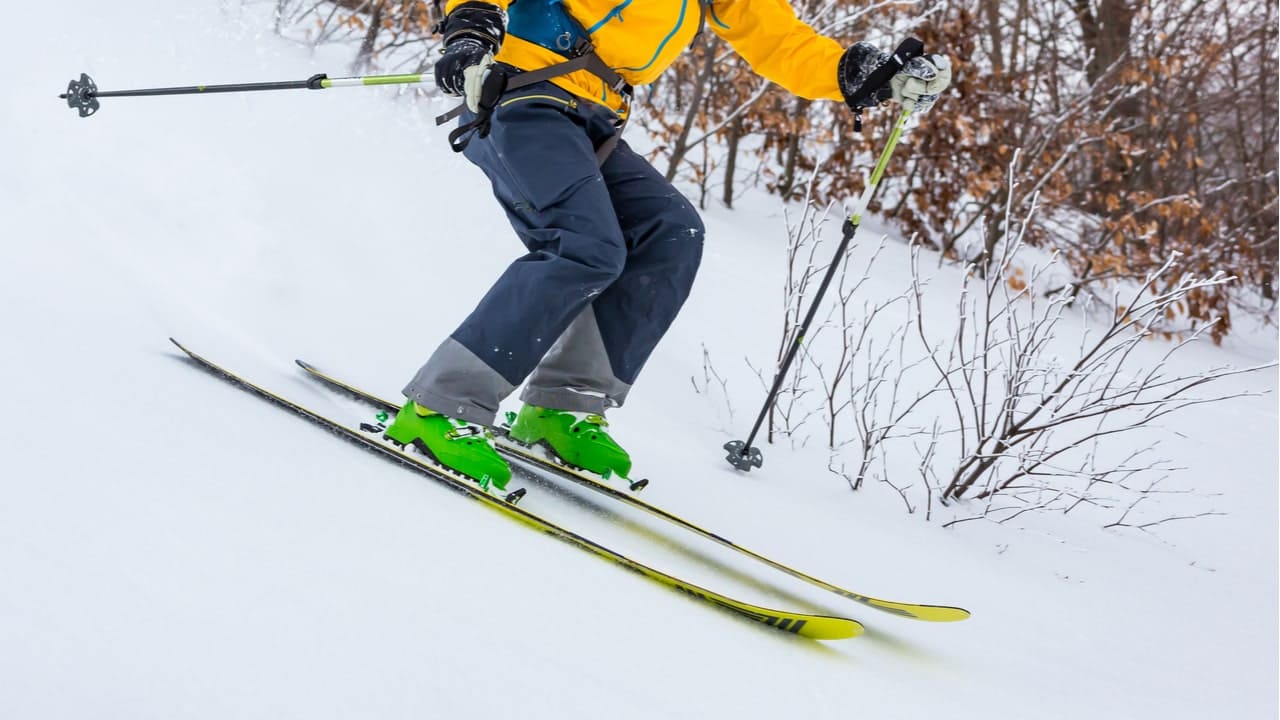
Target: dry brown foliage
1140	128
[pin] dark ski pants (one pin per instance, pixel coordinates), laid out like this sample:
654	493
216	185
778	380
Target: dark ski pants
612	253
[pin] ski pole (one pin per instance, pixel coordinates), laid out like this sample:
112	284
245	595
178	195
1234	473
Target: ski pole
83	94
742	455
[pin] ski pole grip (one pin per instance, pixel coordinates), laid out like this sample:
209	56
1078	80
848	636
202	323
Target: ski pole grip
880	77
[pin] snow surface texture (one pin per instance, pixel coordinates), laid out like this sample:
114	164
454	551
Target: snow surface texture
173	548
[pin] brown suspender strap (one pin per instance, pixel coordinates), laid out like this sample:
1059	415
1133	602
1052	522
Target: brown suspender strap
591	62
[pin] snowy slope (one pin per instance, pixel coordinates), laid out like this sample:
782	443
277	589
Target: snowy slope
170	547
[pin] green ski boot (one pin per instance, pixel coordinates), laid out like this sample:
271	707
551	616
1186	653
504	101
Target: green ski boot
579	439
460	446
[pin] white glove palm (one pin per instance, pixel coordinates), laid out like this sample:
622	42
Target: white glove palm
919	83
473	81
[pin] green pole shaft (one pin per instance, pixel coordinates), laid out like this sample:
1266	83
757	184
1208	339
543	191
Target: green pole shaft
370	80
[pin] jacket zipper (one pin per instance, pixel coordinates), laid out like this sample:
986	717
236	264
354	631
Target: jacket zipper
571	104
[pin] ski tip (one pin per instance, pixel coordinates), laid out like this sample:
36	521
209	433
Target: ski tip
819	627
305	365
856	629
928	613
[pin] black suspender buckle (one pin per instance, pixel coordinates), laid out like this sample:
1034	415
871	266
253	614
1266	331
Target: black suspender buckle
581	46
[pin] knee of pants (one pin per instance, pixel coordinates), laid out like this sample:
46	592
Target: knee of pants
614	260
591	254
603	258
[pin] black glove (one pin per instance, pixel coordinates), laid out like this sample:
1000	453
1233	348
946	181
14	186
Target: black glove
855	67
473	32
916	85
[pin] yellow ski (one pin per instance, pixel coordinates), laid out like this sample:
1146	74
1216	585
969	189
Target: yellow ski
817	627
916	611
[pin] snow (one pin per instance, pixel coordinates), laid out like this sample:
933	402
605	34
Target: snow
172	547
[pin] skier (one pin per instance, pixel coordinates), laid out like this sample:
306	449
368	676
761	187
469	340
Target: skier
612	246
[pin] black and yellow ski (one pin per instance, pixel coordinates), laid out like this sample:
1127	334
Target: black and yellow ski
916	611
817	627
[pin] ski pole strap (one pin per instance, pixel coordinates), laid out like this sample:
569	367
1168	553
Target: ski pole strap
584	58
491	92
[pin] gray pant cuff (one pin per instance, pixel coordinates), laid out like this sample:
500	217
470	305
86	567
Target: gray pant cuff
562	399
449	407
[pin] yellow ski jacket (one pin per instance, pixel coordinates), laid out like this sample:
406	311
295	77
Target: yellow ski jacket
640	39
